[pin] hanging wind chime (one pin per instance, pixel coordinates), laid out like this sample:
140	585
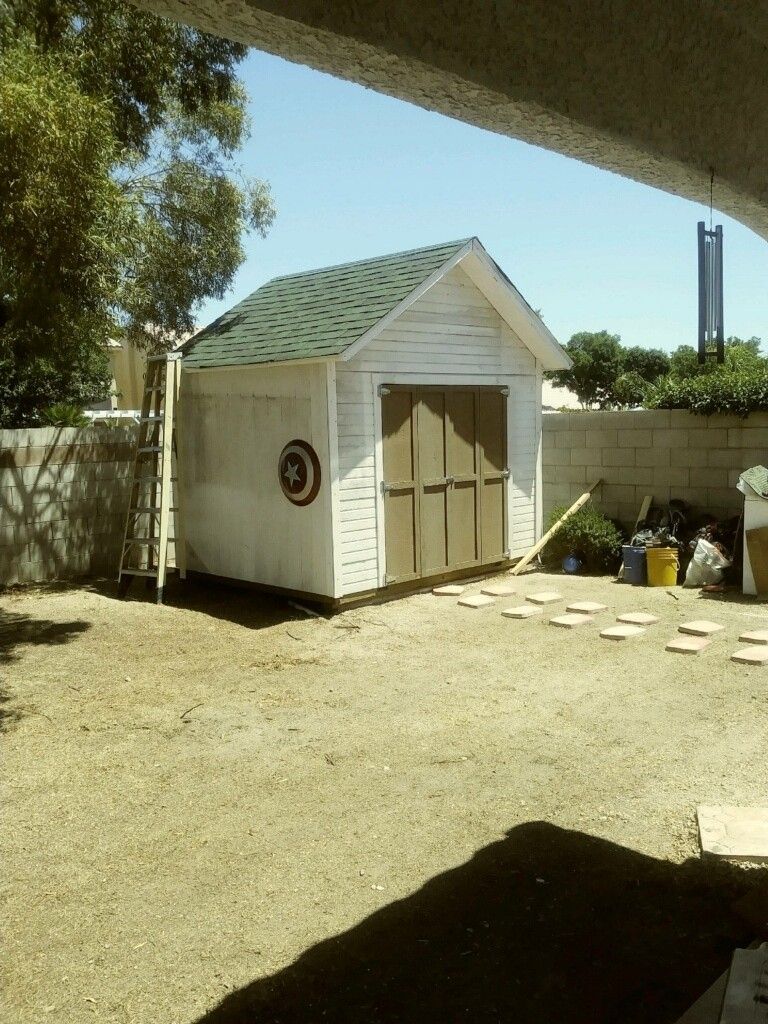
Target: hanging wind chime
711	333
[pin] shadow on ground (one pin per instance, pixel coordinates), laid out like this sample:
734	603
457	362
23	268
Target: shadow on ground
17	630
544	926
220	599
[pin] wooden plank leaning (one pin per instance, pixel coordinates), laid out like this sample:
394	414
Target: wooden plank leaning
537	547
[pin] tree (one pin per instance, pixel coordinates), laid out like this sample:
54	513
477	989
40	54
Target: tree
62	218
647	363
170	120
597	362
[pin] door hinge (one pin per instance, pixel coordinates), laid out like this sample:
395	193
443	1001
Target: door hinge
505	473
383	389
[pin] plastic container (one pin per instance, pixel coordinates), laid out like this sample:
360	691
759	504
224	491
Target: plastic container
663	565
634	564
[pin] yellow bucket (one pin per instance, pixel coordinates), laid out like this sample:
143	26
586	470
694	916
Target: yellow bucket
662	567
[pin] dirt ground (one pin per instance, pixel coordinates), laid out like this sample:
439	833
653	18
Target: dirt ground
225	810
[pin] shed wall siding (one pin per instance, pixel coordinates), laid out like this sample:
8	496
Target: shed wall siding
238	522
452	334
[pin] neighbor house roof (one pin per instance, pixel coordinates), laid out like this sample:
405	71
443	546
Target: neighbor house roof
332	312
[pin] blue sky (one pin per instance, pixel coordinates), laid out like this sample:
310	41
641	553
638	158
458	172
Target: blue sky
357	174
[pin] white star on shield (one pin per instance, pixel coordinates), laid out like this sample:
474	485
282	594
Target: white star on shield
291	473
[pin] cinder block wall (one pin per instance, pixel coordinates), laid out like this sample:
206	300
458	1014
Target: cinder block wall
669	454
63	493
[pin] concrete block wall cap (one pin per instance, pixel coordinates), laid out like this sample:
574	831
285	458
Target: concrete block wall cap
571	621
498	590
476	601
544	597
688	644
638	618
621	632
754	636
586	607
523	611
757	655
700	627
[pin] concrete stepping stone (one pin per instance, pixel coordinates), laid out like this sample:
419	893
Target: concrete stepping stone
638	618
587	607
449	590
522	611
751	655
755	636
571	621
700	627
688	644
498	590
476	601
621	632
737	832
544	597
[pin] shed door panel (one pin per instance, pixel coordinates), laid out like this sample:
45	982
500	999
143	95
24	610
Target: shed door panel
430	419
444	455
401	493
493	471
461	468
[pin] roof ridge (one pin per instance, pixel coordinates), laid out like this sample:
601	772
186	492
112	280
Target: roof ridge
454	243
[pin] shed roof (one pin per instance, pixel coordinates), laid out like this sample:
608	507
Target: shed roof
332	312
315	313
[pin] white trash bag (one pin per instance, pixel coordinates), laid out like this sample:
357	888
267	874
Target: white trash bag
707	565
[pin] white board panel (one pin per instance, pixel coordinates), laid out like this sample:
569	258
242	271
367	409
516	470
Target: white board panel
450	335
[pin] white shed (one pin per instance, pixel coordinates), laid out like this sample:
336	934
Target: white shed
366	427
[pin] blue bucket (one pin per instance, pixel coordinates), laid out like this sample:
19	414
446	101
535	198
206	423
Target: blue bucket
634	565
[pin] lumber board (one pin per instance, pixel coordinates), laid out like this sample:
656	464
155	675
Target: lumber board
539	545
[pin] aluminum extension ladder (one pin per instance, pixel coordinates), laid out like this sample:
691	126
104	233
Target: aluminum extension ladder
154	495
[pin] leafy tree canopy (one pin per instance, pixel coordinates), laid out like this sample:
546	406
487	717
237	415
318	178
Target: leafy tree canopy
600	361
118	139
740	354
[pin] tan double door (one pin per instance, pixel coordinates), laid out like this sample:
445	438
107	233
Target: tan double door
445	467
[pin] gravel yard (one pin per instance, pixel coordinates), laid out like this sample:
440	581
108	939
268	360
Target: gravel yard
225	810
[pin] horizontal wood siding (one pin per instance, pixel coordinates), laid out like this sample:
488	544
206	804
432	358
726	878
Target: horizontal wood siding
452	331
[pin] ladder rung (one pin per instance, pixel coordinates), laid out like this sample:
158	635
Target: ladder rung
151	542
151	510
138	572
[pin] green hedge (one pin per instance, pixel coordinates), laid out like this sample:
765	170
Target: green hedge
740	392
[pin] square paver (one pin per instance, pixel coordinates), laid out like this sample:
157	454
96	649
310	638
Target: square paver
757	655
476	601
700	627
522	611
740	833
498	590
755	636
571	621
621	632
688	644
587	607
544	597
638	618
449	590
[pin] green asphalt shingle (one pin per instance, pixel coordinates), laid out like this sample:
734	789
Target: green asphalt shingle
316	313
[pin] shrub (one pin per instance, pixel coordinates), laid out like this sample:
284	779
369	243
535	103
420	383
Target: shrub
63	415
740	392
588	533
